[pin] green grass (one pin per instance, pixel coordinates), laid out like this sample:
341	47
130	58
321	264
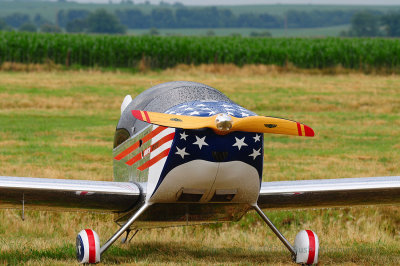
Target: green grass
61	124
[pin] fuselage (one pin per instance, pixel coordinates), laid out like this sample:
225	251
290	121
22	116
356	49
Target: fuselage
195	165
202	176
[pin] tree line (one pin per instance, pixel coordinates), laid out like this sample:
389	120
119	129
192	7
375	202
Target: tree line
363	23
184	17
370	24
213	17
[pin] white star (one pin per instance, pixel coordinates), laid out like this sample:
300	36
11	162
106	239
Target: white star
194	113
244	114
178	113
205	109
183	135
255	153
181	152
211	113
201	105
201	142
229	109
226	105
257	138
189	109
239	143
182	106
172	112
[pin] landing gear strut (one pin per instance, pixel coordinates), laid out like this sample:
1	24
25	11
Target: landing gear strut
306	244
88	244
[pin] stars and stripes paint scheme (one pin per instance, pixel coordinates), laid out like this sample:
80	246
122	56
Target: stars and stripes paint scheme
206	166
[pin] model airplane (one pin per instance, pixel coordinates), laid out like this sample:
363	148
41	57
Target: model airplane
186	154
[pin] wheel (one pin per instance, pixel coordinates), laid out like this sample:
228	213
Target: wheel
306	246
88	247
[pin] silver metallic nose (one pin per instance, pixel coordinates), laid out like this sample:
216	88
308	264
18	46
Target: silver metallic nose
223	122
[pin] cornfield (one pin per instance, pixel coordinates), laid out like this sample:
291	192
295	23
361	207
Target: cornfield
163	52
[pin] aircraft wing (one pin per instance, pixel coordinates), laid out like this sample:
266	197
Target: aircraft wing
322	193
67	194
104	196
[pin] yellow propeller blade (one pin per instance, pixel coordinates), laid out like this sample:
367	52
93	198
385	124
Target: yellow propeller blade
178	121
274	125
223	123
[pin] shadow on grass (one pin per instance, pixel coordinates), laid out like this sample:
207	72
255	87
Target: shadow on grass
161	253
155	252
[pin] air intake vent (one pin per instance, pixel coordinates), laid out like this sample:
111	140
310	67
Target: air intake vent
220	156
190	195
224	195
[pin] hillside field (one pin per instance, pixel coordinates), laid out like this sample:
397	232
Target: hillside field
300	32
60	124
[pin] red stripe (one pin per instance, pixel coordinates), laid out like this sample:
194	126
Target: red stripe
162	141
134	159
152	134
127	151
136	145
153	147
154	160
147	116
299	128
311	251
92	246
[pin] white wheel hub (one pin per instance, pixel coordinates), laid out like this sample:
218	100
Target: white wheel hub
88	247
306	246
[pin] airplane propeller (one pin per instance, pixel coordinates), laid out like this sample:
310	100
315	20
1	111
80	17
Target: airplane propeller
224	123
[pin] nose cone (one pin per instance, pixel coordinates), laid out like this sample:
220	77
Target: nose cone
223	122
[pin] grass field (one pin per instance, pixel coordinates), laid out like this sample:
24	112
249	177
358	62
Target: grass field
300	32
60	124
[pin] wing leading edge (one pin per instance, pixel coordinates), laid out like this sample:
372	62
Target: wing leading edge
67	194
323	193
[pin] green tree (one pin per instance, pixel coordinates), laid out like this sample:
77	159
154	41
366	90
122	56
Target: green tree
391	23
50	28
39	20
16	19
101	21
29	27
76	25
3	24
364	24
